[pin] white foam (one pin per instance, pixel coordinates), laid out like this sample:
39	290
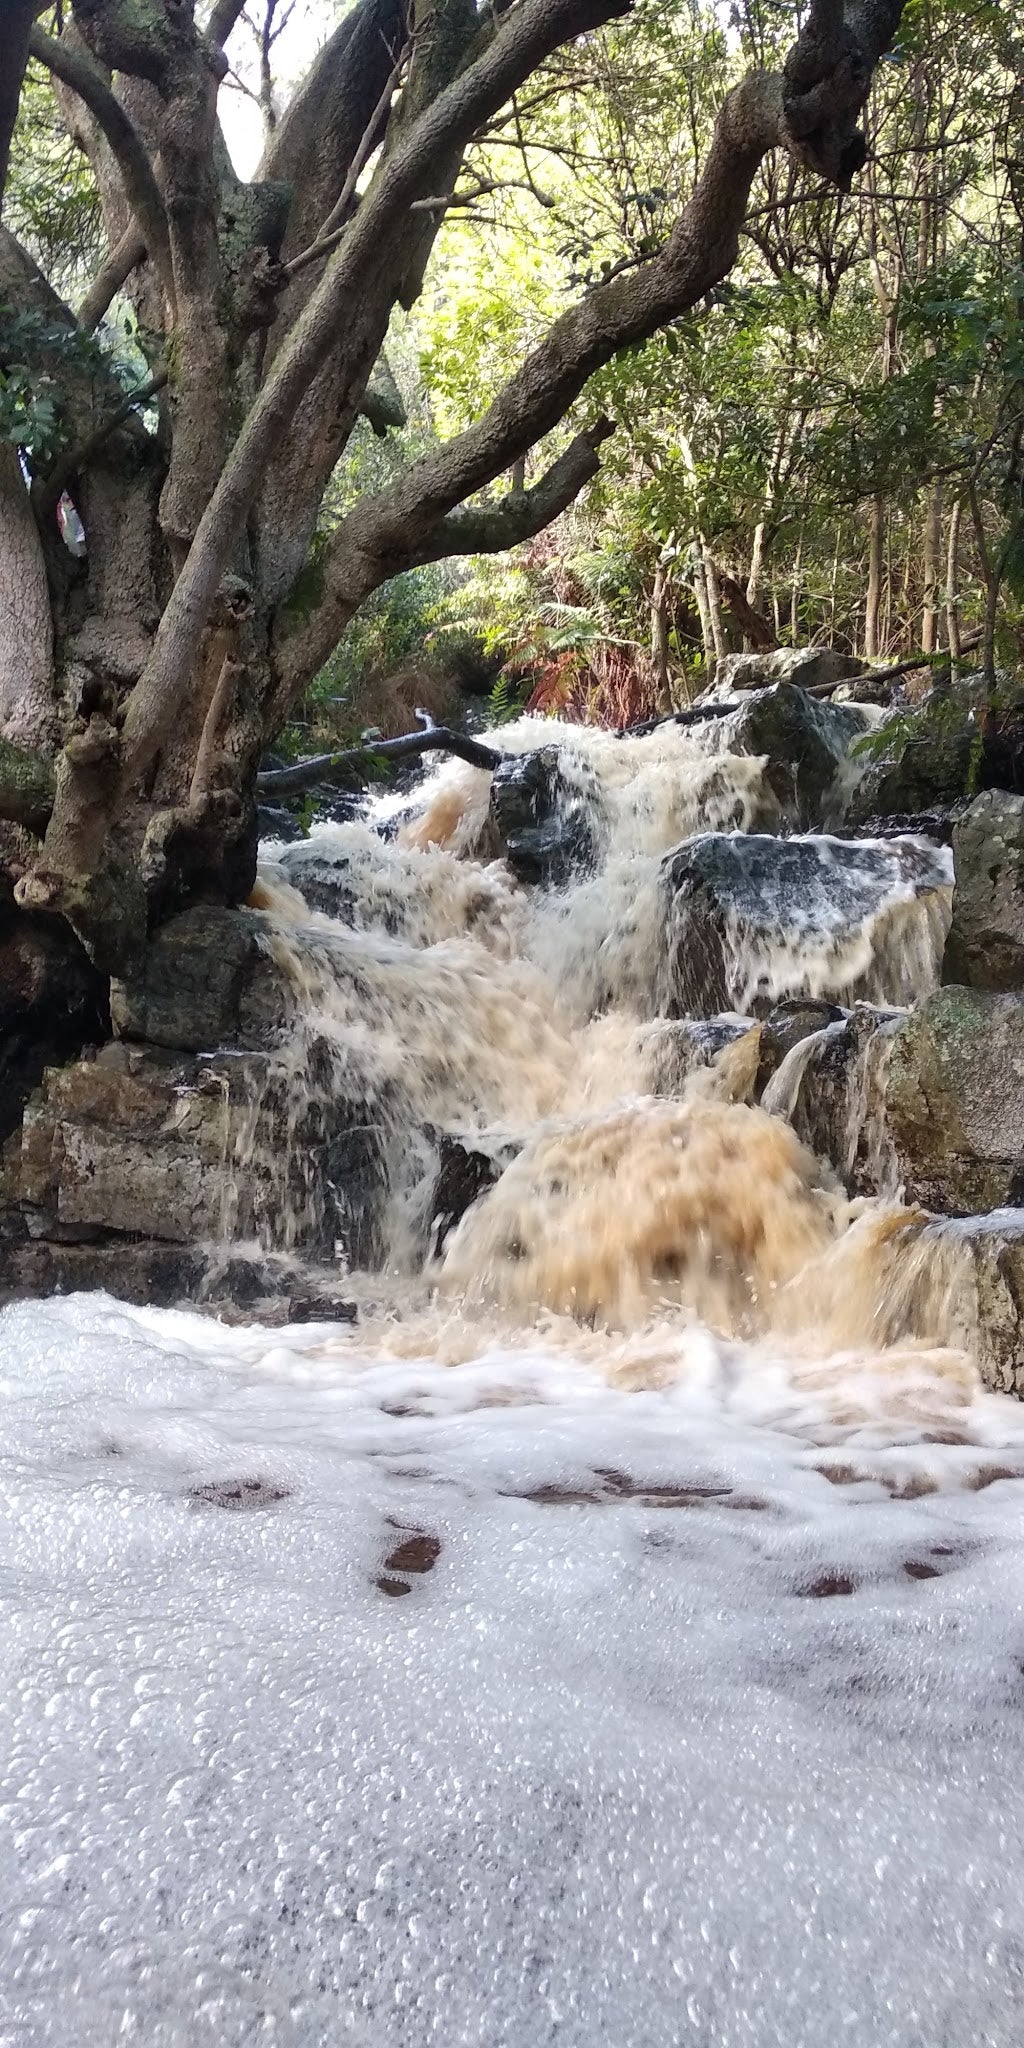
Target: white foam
606	1773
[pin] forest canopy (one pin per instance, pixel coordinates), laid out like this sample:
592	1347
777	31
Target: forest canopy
675	326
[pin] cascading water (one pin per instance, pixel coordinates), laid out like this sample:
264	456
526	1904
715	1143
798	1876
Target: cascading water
655	1675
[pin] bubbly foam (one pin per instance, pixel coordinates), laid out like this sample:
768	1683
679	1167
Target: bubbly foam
356	1699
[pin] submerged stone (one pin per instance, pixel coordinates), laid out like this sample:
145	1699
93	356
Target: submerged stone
752	919
545	816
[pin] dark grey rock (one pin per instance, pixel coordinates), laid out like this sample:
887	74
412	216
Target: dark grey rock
806	744
831	1088
545	817
463	1174
278	824
789	1024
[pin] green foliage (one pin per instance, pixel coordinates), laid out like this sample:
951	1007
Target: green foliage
51	202
32	398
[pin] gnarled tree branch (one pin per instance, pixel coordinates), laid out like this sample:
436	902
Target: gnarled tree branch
128	252
78	70
345	294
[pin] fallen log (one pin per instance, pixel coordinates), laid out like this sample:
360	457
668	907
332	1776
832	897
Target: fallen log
939	660
438	739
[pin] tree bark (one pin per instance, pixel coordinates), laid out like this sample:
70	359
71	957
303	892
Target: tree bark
27	707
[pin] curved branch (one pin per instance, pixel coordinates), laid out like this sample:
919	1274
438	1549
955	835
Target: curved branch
222	20
124	257
82	74
48	489
438	739
15	27
489	529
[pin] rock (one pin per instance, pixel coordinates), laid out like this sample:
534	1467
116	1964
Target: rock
985	1302
807	745
752	919
145	1272
985	947
672	1052
143	1143
934	754
957	1282
238	1288
810	667
544	812
278	824
206	981
939	823
789	1024
463	1173
52	1003
917	760
955	1101
144	1149
831	1089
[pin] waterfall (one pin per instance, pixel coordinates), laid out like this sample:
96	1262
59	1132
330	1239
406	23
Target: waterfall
611	1633
595	1046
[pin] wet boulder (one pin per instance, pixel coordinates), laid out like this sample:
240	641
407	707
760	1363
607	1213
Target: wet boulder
981	1258
831	1088
809	667
752	919
789	1024
955	1101
274	822
985	947
915	761
142	1142
672	1052
545	814
806	745
464	1172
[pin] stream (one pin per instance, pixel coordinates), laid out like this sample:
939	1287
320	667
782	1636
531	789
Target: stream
614	1634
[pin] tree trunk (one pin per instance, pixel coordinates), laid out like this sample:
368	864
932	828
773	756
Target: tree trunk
932	570
953	633
876	579
659	641
794	594
719	637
